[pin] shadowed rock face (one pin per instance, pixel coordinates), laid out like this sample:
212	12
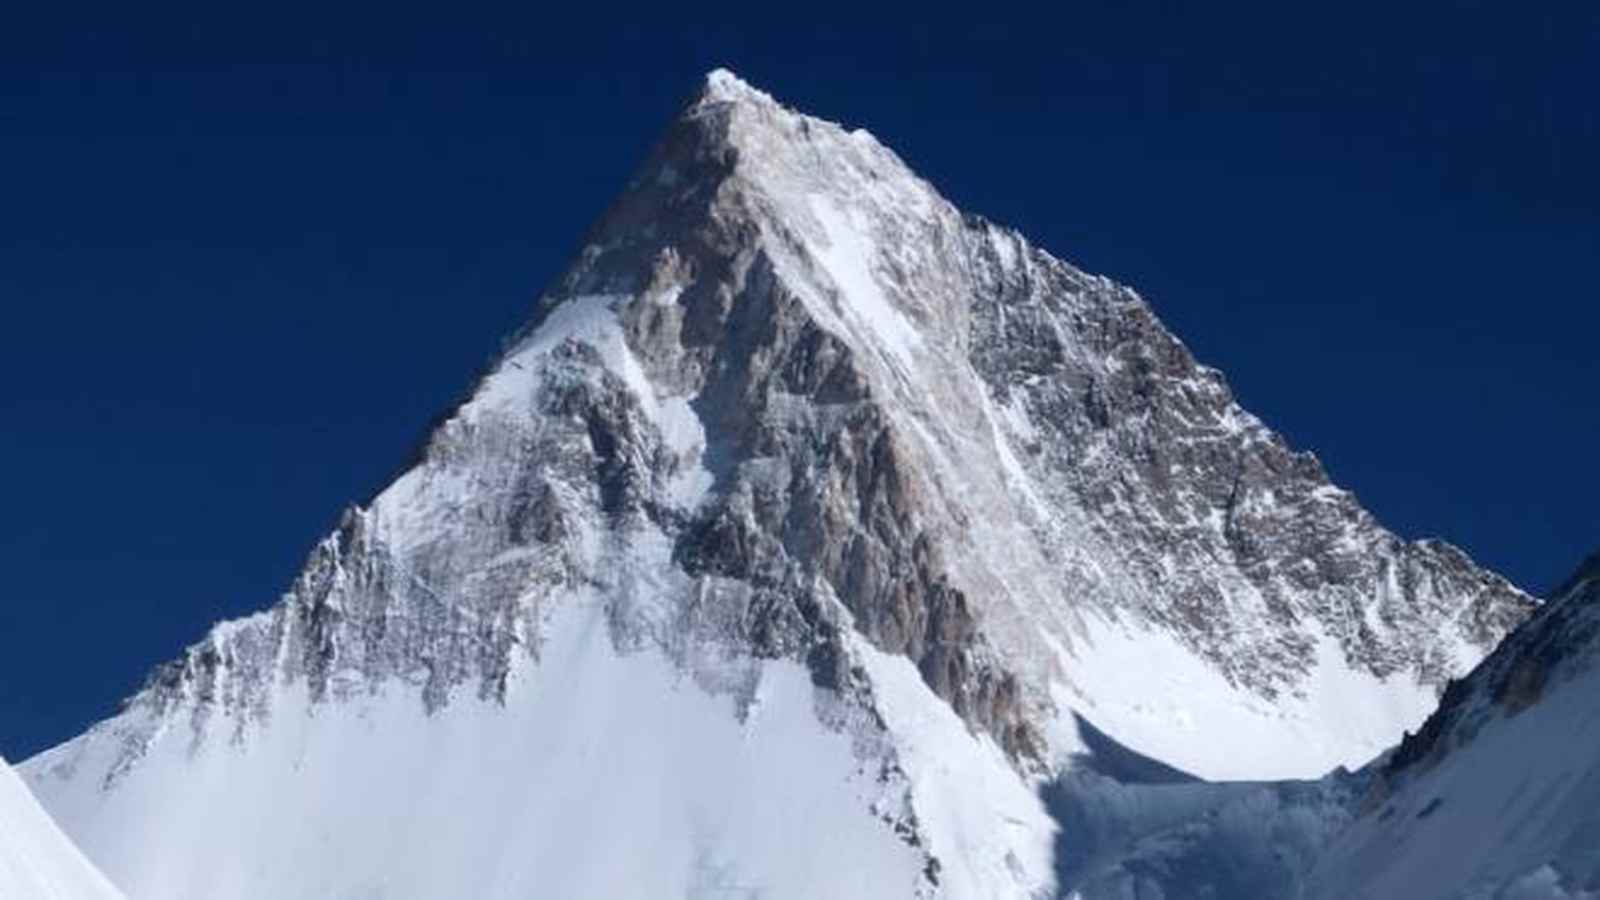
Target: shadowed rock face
821	399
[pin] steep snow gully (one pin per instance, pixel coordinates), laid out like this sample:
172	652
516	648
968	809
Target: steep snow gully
814	538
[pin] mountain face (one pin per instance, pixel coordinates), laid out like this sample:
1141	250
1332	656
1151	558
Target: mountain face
37	861
1498	794
807	529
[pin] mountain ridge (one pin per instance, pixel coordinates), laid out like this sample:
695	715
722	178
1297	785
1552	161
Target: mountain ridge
1495	795
37	861
790	406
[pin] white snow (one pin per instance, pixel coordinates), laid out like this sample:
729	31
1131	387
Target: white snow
604	775
1514	812
590	319
38	861
685	434
986	825
617	775
593	321
1153	695
724	86
848	256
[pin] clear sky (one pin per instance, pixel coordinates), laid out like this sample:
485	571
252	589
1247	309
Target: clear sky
243	264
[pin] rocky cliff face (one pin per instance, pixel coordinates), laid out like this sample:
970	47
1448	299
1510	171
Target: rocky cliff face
790	404
840	391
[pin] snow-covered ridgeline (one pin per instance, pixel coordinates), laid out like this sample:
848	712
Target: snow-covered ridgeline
1100	491
1498	795
790	413
38	861
603	774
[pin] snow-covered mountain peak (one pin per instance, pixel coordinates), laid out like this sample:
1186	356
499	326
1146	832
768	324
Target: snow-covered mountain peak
723	86
799	454
807	377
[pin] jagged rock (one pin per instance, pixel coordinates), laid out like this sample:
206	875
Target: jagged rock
789	404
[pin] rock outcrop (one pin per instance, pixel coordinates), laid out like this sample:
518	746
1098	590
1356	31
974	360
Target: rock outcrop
789	403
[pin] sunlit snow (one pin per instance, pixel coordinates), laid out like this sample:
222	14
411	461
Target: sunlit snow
38	861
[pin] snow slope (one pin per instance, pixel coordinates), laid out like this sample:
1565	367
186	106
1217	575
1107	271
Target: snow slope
1498	796
1142	687
792	546
603	775
37	861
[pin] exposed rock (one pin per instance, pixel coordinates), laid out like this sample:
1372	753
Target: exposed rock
788	395
858	451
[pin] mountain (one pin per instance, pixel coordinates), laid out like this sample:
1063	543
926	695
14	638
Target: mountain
37	861
1498	794
808	529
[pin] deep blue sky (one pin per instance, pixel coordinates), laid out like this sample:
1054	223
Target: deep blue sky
243	264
